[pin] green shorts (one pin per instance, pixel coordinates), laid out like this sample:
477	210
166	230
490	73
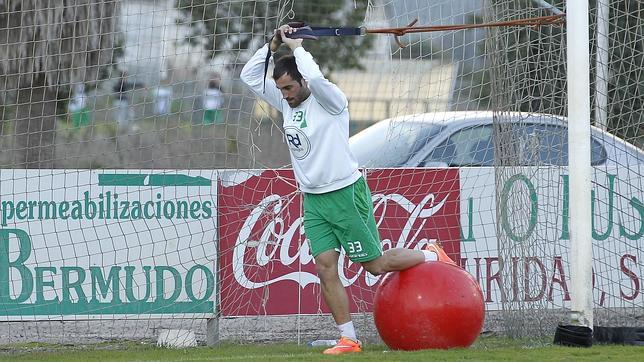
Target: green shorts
344	218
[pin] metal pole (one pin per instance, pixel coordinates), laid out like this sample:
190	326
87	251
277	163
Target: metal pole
544	4
578	72
601	88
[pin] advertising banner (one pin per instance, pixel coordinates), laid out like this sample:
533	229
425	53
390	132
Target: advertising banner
523	216
266	264
107	244
103	244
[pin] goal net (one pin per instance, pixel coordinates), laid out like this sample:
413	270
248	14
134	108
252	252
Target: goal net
144	188
528	74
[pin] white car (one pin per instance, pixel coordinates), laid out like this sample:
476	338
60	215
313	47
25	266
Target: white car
461	139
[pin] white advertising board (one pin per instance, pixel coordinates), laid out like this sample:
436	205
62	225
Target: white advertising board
107	244
537	238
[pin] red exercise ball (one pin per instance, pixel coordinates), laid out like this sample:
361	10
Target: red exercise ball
433	305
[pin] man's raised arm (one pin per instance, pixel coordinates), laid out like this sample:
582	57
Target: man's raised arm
327	94
253	75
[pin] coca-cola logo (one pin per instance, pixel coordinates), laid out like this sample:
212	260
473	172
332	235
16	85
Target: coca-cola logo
279	240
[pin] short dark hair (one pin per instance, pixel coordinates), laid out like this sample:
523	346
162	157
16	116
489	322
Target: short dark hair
287	65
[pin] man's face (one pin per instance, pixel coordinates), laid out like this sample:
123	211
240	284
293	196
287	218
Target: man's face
293	92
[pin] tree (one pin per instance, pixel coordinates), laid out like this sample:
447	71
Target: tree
231	26
47	47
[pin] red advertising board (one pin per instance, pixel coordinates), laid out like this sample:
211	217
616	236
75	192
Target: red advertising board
266	267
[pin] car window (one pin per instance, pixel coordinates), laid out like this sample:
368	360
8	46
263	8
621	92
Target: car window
534	144
471	146
541	144
391	144
598	155
547	144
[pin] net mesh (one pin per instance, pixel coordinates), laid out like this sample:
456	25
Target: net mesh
143	187
528	73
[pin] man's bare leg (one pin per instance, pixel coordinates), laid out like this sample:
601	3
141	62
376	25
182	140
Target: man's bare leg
398	259
333	291
338	301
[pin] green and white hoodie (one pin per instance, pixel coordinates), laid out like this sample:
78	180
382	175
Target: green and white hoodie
317	131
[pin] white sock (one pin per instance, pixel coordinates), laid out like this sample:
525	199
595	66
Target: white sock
347	330
430	255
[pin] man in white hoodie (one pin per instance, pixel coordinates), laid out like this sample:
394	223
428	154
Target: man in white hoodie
338	211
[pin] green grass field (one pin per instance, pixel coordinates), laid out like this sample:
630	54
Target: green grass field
486	349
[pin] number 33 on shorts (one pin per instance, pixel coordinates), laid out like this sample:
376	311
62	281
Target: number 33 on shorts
354	247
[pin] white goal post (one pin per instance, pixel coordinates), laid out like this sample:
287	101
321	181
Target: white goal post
579	166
